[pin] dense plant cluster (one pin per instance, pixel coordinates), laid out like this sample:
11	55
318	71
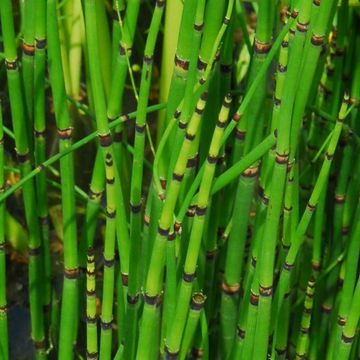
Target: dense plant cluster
180	179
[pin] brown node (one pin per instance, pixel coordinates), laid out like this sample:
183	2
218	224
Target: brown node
347	339
189	277
251	172
64	134
302	27
230	289
125	279
281	158
341	321
39	344
317	40
106	325
28	49
40	43
198	27
240	135
182	64
34	251
254	299
150	300
265	291
71	274
339	199
11	65
261	48
241	333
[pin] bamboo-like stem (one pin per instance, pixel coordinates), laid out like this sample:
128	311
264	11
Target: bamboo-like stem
69	306
22	149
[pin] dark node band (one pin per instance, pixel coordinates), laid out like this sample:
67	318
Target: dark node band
345	230
339	199
192	162
160	3
28	49
71	273
39	134
163	232
210	254
240	135
23	157
3	309
105	140
189	136
34	251
39	344
182	125
140	128
250	172
198	110
94	194
302	27
200	211
226	20
106	325
198	27
285	44
177	114
64	134
197	301
240	333
265	291
40	43
132	299
341	321
225	68
171	355
150	300
328	156
282	68
288	208
11	65
347	339
135	209
201	65
91	320
221	124
197	353
109	262
311	207
281	158
177	227
317	40
183	64
253	261
189	277
280	352
212	159
316	2
111	214
92	355
191	211
261	48
326	308
294	14
230	289
125	279
171	236
254	299
177	177
277	101
307	311
148	59
287	266
90	293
